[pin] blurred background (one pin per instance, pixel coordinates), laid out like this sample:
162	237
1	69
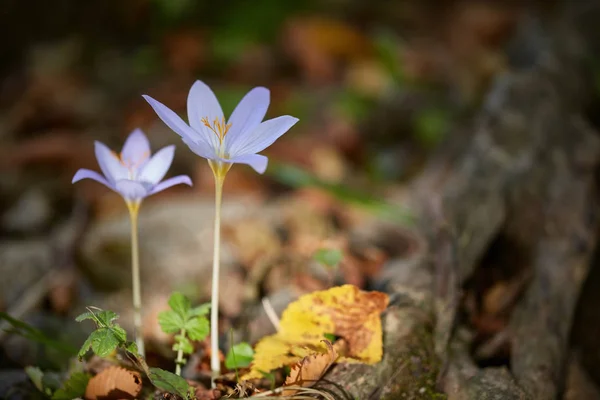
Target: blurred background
378	87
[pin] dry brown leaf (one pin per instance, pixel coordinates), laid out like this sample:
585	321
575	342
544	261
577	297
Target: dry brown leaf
114	383
310	369
344	311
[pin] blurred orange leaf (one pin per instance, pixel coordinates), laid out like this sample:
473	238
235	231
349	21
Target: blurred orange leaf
114	383
344	311
310	369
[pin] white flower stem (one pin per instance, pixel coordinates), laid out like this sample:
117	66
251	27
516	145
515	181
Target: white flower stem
179	360
215	363
134	207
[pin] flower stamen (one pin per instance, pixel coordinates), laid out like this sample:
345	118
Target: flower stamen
218	127
131	165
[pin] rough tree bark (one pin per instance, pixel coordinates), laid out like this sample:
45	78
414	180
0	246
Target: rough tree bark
526	174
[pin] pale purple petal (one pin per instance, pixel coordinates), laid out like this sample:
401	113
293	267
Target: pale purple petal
89	174
170	118
136	149
202	103
109	163
256	161
262	136
133	190
248	114
176	180
157	167
200	148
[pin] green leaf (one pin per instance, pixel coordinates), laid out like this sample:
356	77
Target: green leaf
104	342
168	382
119	333
132	348
183	343
197	328
36	375
73	388
180	304
30	333
331	337
170	321
86	346
201	310
239	356
329	257
101	317
107	317
84	316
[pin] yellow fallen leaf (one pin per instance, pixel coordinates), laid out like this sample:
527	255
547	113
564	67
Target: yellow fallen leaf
310	369
344	311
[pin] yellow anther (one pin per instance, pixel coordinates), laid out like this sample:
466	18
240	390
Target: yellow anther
218	127
131	164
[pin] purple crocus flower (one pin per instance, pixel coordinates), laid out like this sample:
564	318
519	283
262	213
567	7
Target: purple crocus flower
133	173
222	142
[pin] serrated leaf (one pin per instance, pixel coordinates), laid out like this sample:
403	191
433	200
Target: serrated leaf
83	316
101	317
119	333
73	388
180	304
183	343
201	310
197	328
239	356
104	342
170	321
85	347
107	317
168	382
132	348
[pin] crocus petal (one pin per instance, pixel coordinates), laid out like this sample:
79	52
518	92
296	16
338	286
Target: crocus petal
133	190
176	180
110	165
171	119
157	167
89	174
136	148
262	136
248	114
200	148
202	103
256	161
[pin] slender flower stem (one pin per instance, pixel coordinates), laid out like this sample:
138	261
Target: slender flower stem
179	361
215	363
134	207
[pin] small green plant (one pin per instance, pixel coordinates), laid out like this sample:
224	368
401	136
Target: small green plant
187	323
108	335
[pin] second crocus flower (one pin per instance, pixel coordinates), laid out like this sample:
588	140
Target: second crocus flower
135	175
